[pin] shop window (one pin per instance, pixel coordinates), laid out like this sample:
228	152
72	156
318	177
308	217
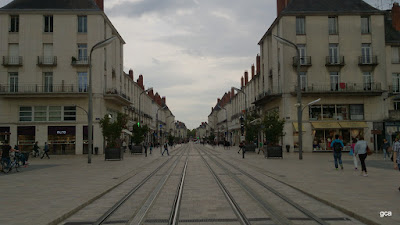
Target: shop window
356	112
25	113
396	105
342	112
315	112
69	113
40	113
54	113
328	112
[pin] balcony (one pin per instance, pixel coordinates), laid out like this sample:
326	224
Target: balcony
304	61
39	90
12	60
80	61
266	97
47	61
334	61
368	60
372	89
113	95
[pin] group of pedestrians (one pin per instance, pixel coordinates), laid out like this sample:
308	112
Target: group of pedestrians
36	148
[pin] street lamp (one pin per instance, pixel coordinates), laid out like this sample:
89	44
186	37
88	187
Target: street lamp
299	110
100	44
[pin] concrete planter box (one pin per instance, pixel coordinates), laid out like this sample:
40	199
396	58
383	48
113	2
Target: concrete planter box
273	152
250	148
114	154
138	149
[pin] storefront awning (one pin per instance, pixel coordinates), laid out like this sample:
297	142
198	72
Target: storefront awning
296	127
326	125
353	124
127	132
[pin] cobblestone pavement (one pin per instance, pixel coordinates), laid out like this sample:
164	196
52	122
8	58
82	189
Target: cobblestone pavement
48	191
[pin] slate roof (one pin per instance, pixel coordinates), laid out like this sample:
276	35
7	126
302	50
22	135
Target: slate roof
89	5
329	6
391	34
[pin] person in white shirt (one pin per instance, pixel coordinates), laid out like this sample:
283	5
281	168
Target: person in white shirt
360	149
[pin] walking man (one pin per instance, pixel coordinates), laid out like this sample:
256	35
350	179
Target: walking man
36	149
165	149
145	149
337	146
396	156
46	150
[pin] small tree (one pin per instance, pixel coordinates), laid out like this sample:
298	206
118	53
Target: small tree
171	139
252	129
112	130
273	127
138	134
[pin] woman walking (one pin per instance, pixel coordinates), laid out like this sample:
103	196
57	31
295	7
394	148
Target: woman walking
385	148
360	149
353	154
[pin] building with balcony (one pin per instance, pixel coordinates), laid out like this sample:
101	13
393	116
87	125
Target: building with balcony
44	76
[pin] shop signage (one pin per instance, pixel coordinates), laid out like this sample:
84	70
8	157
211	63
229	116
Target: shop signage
376	132
61	132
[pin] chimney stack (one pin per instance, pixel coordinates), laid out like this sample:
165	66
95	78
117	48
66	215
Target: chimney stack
242	82
164	100
100	4
258	62
246	78
252	71
131	74
396	16
232	93
140	81
281	5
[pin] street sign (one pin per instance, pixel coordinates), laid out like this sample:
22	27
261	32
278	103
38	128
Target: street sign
376	132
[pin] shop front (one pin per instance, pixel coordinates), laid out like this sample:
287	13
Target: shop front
324	133
61	140
26	137
4	134
392	130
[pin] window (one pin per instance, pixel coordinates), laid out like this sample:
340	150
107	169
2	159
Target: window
13	82
48	24
82	24
396	105
367	81
333	54
332	23
342	112
82	81
69	113
82	52
48	82
25	113
300	25
365	26
303	81
396	82
334	81
315	112
328	112
366	53
356	112
40	113
55	113
303	54
13	54
395	54
14	23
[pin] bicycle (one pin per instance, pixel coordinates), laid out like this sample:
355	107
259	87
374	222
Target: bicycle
13	164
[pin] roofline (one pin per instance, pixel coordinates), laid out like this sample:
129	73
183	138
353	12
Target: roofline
66	11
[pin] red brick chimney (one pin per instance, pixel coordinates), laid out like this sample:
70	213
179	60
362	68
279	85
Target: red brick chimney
232	93
218	100
246	78
164	100
140	81
242	82
131	74
396	16
151	94
229	96
100	4
258	62
281	5
252	71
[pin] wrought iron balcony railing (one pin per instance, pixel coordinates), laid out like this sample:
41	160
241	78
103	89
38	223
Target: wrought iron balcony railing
334	61
342	87
39	88
80	61
368	60
12	60
304	61
47	60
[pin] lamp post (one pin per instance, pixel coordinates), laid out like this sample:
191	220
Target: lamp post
299	110
100	44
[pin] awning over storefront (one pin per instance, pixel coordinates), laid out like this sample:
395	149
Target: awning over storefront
326	125
353	124
296	127
127	132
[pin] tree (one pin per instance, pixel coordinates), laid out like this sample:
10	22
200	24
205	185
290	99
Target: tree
112	130
252	127
273	127
138	133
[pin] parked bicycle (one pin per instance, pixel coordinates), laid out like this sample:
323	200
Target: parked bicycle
15	163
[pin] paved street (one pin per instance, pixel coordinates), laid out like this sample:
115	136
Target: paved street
66	188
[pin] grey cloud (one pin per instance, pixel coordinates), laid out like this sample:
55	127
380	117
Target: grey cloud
156	61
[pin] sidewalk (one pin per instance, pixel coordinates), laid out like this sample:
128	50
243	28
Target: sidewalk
346	190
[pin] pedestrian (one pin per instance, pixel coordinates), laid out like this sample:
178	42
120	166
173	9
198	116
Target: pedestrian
5	155
260	147
36	149
145	149
240	147
354	141
337	146
385	148
124	145
151	147
165	149
20	156
360	149
396	156
243	150
46	150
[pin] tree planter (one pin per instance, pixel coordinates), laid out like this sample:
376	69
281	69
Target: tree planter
136	149
273	152
114	154
250	148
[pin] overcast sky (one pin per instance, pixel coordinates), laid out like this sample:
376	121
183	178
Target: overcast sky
191	51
